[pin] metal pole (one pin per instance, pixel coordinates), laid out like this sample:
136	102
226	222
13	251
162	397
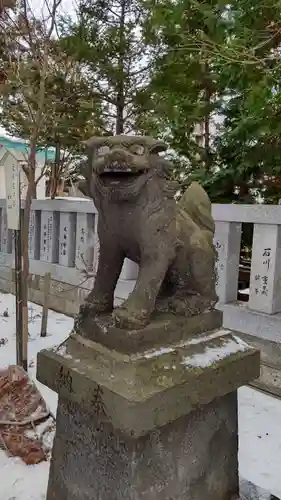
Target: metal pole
23	306
18	280
21	358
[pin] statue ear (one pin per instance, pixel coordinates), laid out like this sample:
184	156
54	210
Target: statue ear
158	148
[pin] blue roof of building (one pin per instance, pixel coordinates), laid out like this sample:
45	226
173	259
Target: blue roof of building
24	148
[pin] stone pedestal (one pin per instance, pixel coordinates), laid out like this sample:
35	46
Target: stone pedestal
161	424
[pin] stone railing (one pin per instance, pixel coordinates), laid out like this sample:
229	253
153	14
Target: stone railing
261	315
259	319
63	241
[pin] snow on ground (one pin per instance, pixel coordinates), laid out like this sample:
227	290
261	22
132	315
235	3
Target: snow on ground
18	481
59	327
259	416
260	439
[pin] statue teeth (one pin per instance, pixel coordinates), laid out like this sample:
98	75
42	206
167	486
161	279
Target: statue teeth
117	170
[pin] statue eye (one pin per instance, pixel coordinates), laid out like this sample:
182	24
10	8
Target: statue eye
137	149
103	150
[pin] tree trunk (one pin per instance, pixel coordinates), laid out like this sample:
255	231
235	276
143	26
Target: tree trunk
244	191
30	195
54	178
207	101
120	98
208	156
25	232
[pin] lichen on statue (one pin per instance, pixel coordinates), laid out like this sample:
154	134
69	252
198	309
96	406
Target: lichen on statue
139	218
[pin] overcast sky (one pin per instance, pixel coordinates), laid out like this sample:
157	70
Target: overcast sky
67	6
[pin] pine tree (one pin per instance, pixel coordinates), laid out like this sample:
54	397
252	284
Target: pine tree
107	40
220	60
249	146
184	83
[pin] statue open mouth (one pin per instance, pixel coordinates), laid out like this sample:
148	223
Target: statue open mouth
120	176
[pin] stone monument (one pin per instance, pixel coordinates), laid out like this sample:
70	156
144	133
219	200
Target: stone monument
147	391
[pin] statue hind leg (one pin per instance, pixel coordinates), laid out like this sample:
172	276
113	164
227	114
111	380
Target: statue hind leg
189	286
199	292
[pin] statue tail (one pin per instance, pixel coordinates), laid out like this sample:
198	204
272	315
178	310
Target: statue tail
197	204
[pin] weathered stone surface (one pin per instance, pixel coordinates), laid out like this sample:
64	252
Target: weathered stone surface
265	292
163	329
149	389
227	241
249	491
139	219
192	458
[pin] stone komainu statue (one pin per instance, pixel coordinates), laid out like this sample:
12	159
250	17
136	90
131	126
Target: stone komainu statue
139	219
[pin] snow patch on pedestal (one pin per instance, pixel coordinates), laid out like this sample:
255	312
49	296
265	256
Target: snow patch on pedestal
214	354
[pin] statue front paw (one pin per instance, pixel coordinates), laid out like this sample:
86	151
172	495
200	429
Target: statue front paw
130	319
